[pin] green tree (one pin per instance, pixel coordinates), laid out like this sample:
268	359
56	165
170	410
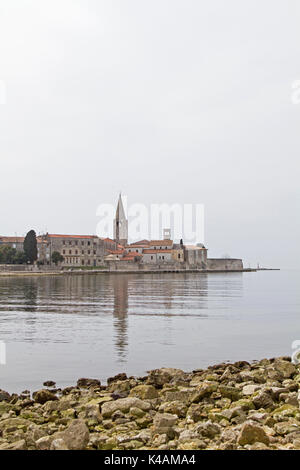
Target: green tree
7	254
57	257
30	246
20	258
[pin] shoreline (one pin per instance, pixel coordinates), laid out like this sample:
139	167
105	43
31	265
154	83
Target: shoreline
161	271
228	406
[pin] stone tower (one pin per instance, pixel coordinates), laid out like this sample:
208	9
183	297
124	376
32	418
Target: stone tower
120	224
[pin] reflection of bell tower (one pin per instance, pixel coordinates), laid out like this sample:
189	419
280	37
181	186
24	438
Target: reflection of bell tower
120	224
120	314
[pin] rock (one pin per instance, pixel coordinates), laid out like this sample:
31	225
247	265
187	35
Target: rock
44	443
208	429
250	389
174	407
92	413
260	417
251	433
4	396
144	392
12	424
76	436
160	377
263	400
88	383
116	378
42	396
58	444
124	405
287	369
204	390
49	383
164	421
286	427
230	392
18	445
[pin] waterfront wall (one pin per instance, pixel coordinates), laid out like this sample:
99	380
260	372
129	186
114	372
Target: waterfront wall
224	264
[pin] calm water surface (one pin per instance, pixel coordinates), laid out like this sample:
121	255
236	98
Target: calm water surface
63	328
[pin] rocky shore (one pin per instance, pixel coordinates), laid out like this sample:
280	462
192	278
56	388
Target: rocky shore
227	406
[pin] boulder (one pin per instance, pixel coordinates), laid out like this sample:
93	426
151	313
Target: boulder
117	377
4	396
144	392
160	377
88	383
49	383
285	368
251	432
42	396
263	400
124	405
58	444
76	436
163	423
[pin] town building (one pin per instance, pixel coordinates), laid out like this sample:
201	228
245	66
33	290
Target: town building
93	251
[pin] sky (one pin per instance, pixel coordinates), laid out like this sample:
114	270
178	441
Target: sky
168	101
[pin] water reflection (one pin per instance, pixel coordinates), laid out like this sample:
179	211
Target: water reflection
105	320
120	315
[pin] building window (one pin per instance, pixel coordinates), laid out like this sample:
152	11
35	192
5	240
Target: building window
82	262
76	243
82	243
89	252
70	252
89	243
178	255
94	252
64	242
64	251
89	261
70	243
151	257
76	252
82	252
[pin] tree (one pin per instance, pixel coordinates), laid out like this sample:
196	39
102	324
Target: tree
20	258
30	246
57	257
7	254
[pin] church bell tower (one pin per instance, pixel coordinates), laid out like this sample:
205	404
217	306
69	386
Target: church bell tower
120	224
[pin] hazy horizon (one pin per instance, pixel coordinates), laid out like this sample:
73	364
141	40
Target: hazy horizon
169	102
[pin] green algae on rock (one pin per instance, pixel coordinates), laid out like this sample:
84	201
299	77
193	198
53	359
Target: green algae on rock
225	407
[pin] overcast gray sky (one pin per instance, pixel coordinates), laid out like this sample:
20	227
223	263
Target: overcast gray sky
167	100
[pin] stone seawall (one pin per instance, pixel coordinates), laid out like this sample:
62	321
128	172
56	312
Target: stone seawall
234	406
224	264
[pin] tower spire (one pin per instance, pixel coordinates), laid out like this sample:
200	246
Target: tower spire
120	223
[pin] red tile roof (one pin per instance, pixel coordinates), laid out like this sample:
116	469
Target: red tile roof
12	239
155	252
51	235
116	252
161	243
140	242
